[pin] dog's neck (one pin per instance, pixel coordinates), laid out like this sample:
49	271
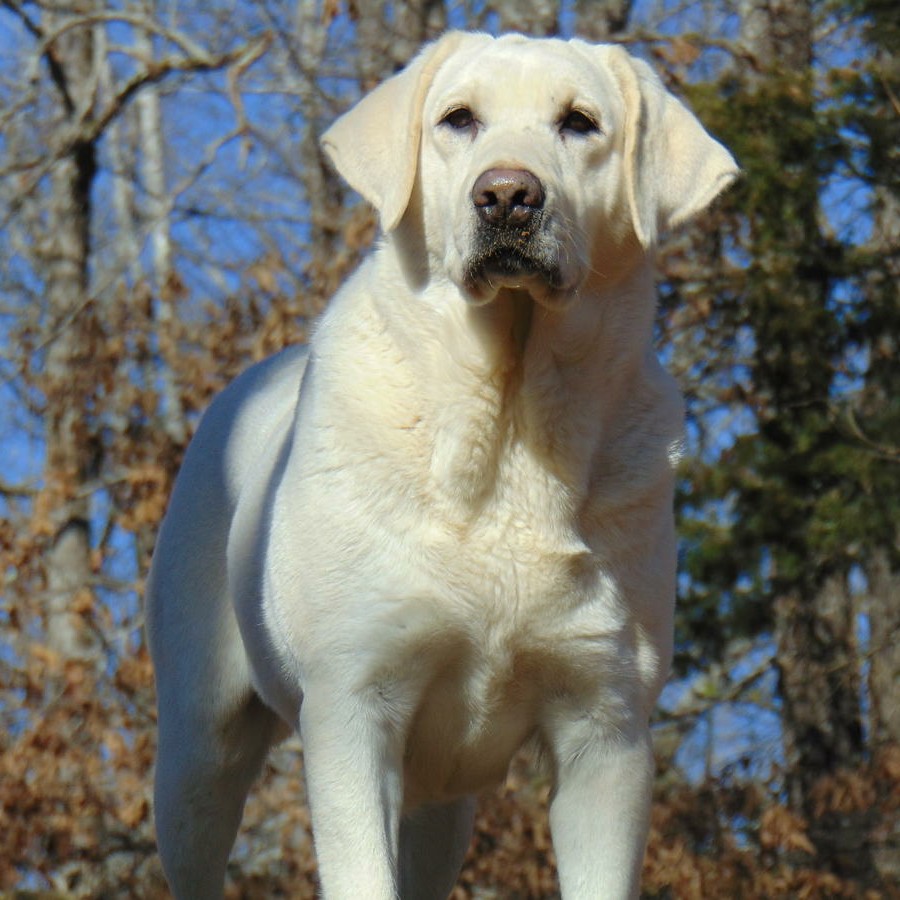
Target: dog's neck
514	377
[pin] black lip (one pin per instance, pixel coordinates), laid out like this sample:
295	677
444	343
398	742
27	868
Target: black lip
502	253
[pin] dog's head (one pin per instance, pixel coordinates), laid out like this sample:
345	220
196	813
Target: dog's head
529	164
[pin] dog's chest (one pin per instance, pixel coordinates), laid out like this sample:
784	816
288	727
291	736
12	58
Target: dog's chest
514	552
513	641
526	615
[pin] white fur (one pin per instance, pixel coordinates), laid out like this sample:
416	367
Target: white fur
450	530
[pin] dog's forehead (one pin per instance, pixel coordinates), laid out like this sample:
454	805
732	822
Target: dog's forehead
514	71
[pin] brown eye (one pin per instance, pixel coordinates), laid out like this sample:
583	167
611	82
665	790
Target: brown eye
460	118
577	122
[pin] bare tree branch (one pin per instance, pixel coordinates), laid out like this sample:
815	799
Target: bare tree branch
88	129
57	73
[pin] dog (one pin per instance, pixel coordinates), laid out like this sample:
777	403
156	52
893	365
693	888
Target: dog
446	529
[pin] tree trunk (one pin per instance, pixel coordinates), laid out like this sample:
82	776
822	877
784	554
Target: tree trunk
537	17
602	21
817	664
71	454
158	208
883	381
416	21
883	608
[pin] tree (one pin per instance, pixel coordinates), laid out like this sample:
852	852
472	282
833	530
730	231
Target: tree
65	247
68	362
797	349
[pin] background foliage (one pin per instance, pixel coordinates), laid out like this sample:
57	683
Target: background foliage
167	218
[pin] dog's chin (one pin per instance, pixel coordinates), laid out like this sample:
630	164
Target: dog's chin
486	276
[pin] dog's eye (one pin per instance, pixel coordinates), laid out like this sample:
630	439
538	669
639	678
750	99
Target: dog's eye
460	118
577	122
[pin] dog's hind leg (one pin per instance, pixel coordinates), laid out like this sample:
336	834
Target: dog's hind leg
204	771
213	731
433	843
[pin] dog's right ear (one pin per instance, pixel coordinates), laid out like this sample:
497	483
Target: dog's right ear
375	144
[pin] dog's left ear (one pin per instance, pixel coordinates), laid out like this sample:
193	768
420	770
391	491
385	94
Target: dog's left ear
673	168
375	144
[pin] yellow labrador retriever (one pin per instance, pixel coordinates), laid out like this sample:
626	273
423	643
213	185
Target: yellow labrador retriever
447	530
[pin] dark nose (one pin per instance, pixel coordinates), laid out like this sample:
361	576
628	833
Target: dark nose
507	196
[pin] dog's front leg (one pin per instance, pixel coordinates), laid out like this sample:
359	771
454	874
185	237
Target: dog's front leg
599	815
353	763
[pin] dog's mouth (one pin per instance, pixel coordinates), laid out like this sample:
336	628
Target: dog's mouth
512	258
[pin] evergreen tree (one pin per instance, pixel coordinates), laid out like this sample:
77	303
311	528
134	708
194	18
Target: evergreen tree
806	315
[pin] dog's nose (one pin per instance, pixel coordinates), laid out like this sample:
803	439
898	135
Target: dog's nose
507	196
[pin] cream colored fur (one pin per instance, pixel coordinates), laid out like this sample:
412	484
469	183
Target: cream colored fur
448	529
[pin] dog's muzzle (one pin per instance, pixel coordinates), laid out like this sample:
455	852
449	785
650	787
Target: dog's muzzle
510	242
